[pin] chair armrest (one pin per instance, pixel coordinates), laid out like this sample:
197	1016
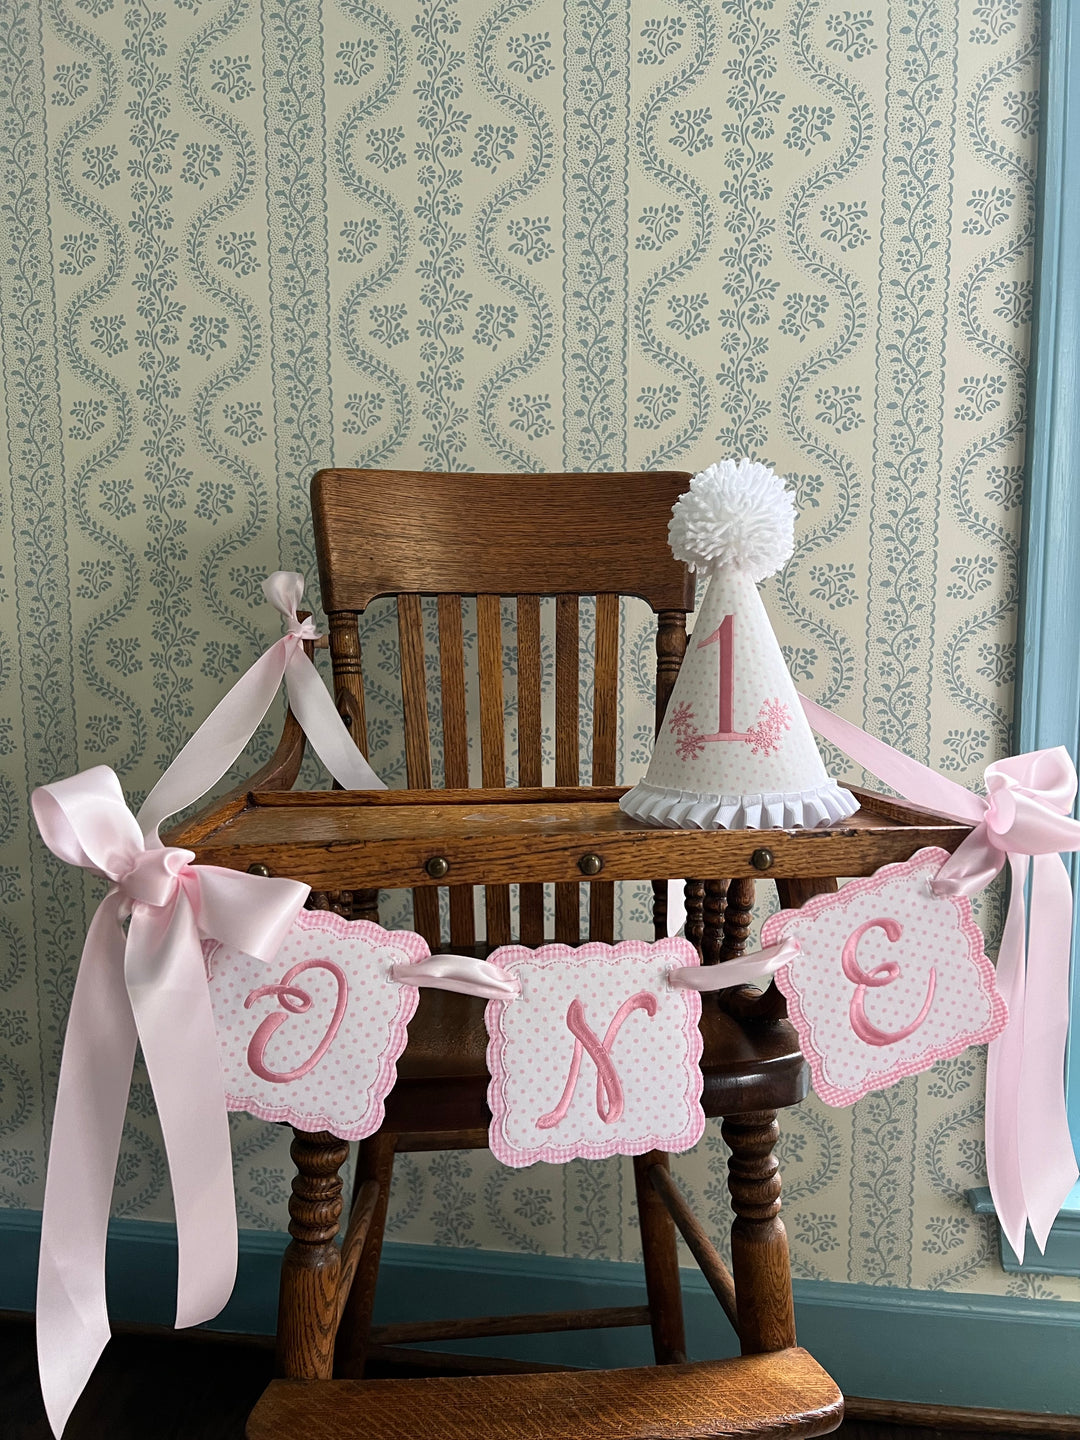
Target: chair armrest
281	770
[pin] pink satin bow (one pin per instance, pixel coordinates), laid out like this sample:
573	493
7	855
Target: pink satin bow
148	985
151	985
1025	820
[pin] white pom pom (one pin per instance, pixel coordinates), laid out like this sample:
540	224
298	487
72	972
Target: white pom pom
735	513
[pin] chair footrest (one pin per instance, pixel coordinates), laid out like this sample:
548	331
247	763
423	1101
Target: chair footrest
416	1332
760	1397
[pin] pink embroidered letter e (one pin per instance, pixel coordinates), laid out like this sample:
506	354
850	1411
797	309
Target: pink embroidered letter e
890	978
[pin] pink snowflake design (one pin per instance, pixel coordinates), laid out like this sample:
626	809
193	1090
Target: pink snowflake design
682	718
767	735
689	741
689	744
764	737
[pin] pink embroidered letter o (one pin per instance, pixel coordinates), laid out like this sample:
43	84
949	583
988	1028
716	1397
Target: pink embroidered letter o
294	1001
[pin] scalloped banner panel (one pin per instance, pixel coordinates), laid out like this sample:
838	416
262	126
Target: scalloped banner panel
314	1039
597	1056
891	978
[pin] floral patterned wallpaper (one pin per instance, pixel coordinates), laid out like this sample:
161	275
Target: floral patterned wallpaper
243	240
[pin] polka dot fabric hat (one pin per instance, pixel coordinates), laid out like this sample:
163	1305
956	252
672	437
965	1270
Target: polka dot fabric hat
735	751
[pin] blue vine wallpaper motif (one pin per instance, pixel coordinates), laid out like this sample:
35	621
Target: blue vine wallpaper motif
245	240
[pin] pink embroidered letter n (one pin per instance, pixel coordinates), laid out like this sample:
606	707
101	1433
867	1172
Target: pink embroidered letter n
597	1056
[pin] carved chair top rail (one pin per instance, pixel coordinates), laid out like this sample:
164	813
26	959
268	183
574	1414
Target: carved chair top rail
391	532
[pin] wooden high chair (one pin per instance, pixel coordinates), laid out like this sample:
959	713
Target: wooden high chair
452	535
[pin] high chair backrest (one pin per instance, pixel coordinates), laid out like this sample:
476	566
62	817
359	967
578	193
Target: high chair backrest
412	534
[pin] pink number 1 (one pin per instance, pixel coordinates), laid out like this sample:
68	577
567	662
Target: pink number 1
723	638
766	734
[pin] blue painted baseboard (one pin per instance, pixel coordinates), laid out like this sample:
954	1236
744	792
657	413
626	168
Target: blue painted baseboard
1062	1253
929	1346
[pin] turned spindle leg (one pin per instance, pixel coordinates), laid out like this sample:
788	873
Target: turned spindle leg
759	1248
695	913
365	905
307	1308
659	909
374	1161
738	913
338	902
670	649
712	915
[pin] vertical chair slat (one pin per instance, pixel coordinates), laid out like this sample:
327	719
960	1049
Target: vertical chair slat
455	747
492	742
567	904
602	911
606	689
530	752
417	743
414	692
605	733
529	684
566	690
489	652
452	679
670	649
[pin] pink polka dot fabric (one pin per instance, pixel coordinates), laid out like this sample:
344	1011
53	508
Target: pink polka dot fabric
653	1096
327	1012
891	978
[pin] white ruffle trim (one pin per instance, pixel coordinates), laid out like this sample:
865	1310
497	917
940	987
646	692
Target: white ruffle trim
686	810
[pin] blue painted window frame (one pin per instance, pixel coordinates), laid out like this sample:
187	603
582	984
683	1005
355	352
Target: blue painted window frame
1048	640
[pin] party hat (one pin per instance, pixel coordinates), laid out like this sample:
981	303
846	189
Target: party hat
735	751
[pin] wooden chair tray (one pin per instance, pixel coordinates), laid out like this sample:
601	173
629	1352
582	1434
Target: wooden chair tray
338	840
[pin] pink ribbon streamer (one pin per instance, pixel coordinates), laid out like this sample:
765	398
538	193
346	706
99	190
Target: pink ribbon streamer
1024	820
150	985
462	973
468	976
746	970
233	721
